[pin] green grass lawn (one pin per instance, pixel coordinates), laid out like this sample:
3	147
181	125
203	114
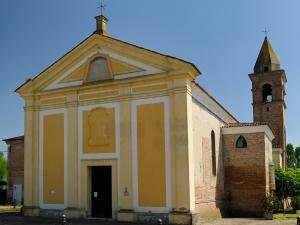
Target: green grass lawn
286	216
10	208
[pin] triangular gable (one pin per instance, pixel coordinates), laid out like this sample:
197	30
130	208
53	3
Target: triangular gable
125	61
117	68
122	67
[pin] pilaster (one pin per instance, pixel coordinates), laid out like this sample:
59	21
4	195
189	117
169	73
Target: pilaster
31	153
179	147
72	109
125	160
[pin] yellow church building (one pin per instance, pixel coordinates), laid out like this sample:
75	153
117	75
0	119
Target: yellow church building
114	130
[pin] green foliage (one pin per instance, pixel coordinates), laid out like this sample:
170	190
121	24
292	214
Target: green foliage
288	185
270	203
290	155
297	156
293	156
295	202
3	166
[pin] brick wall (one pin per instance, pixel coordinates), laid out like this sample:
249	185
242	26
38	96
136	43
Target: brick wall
15	166
272	112
246	173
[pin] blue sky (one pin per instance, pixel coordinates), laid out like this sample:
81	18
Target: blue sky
222	38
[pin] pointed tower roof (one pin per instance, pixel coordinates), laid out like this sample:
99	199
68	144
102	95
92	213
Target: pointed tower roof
267	59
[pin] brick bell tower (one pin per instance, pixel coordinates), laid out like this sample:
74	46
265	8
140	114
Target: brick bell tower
268	91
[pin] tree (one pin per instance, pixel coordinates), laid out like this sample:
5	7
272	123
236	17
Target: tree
290	153
3	167
287	182
297	156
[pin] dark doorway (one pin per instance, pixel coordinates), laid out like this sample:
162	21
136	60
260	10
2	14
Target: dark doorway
101	192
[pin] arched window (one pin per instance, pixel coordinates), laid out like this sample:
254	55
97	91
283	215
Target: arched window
213	153
267	93
241	142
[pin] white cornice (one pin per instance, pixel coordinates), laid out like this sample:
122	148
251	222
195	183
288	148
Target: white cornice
249	129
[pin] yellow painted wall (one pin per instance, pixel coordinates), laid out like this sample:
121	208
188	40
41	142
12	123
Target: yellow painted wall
53	101
150	88
53	159
99	131
98	95
72	154
119	67
151	149
126	154
151	155
78	74
180	151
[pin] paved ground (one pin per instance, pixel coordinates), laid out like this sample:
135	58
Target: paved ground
238	221
17	219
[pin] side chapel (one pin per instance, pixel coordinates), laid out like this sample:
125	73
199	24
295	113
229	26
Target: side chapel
114	130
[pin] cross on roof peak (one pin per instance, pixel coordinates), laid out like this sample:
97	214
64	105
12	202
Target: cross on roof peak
102	7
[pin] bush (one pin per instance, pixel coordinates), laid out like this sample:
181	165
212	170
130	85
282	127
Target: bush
270	203
295	202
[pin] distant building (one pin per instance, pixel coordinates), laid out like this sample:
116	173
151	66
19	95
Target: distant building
114	130
15	169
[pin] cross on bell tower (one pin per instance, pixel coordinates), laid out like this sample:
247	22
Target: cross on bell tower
268	91
266	32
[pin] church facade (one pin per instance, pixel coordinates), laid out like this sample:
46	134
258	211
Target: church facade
113	130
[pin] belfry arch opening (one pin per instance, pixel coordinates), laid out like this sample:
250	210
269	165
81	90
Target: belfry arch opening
267	93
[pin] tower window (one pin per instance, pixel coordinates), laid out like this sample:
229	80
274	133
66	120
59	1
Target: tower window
241	142
266	69
213	153
267	93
